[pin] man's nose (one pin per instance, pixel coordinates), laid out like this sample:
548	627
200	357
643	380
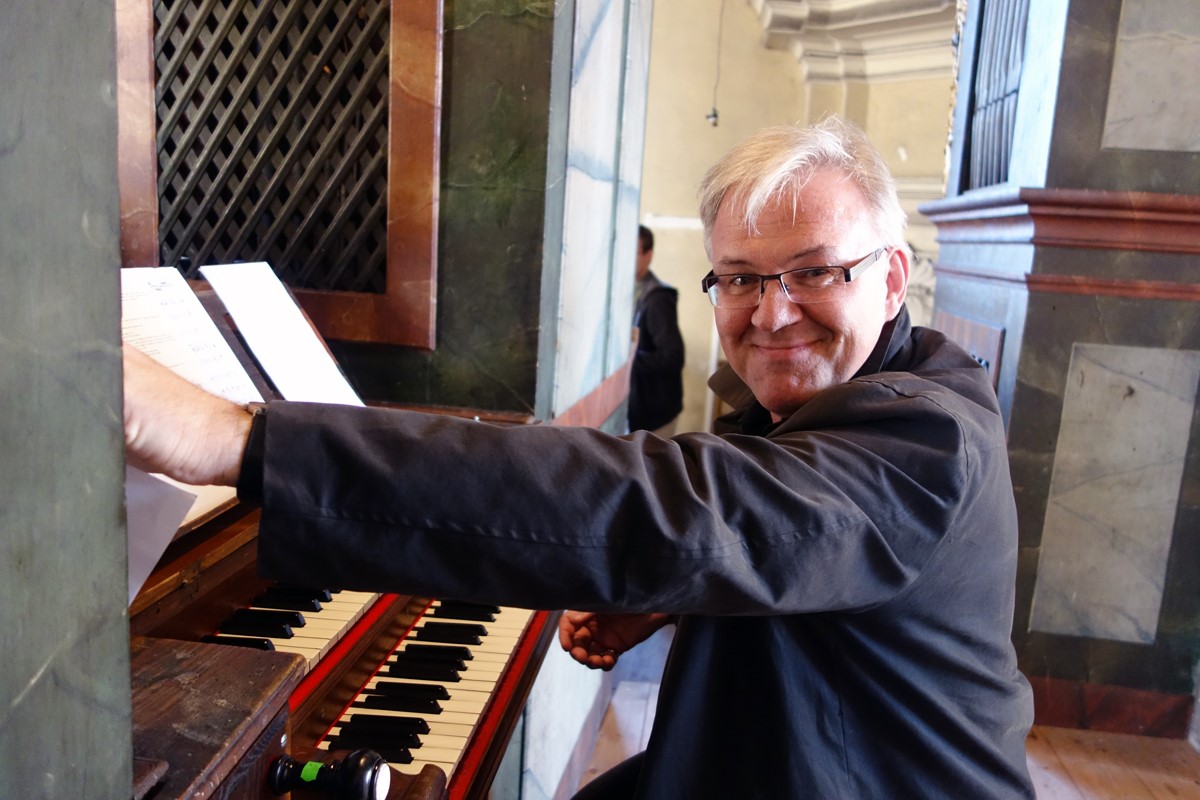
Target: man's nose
774	309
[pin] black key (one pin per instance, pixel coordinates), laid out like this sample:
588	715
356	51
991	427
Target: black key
386	703
458	609
402	689
399	738
237	641
435	652
450	632
293	618
373	722
323	595
394	754
288	599
424	671
252	627
418	657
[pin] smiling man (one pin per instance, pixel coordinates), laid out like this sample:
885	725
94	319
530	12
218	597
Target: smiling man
839	553
791	324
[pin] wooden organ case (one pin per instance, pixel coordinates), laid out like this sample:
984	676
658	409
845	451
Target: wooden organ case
304	134
210	719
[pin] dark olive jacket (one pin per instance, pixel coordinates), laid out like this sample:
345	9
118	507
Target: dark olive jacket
846	577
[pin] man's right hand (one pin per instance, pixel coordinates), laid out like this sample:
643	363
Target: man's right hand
597	640
178	429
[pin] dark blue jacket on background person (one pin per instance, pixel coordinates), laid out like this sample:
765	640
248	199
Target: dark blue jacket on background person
656	380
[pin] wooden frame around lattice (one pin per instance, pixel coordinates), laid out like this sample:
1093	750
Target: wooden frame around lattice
304	134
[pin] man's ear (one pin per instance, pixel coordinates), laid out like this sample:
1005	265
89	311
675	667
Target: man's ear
897	280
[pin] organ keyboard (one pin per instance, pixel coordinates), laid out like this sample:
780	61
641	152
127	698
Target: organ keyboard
424	683
422	704
295	619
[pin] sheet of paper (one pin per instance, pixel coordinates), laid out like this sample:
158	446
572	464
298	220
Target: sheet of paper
162	317
154	509
276	331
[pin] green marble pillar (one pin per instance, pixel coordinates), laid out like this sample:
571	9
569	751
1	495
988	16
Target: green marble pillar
64	640
499	123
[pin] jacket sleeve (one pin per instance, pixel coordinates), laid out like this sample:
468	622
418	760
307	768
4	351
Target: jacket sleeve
548	517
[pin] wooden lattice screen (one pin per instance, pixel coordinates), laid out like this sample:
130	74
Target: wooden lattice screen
1000	54
303	134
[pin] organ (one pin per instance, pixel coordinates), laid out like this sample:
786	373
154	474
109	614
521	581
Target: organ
234	674
212	717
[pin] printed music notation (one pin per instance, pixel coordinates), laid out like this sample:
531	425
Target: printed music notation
162	317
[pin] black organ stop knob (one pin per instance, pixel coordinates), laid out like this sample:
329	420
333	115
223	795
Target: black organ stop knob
361	775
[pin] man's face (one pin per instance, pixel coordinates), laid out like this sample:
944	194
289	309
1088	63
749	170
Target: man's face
787	353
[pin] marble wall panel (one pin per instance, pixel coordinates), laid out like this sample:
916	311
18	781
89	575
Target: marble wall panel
590	202
629	180
1078	158
1153	99
1118	463
495	139
1054	324
64	637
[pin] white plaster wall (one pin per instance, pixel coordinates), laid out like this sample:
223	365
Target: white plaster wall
757	88
908	119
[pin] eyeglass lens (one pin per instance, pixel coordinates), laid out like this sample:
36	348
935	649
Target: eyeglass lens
802	285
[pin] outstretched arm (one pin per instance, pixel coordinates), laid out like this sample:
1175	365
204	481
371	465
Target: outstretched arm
178	429
598	640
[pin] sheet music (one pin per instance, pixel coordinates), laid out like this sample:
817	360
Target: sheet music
162	317
278	334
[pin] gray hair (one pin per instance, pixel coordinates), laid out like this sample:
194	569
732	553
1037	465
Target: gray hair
778	162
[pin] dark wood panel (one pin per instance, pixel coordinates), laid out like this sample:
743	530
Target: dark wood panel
984	342
216	716
1115	709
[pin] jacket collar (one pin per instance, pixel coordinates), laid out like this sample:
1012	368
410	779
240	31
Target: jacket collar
894	339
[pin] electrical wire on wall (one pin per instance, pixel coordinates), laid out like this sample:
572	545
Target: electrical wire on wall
712	115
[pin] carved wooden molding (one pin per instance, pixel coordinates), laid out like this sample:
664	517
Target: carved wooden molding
1086	218
1134	289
